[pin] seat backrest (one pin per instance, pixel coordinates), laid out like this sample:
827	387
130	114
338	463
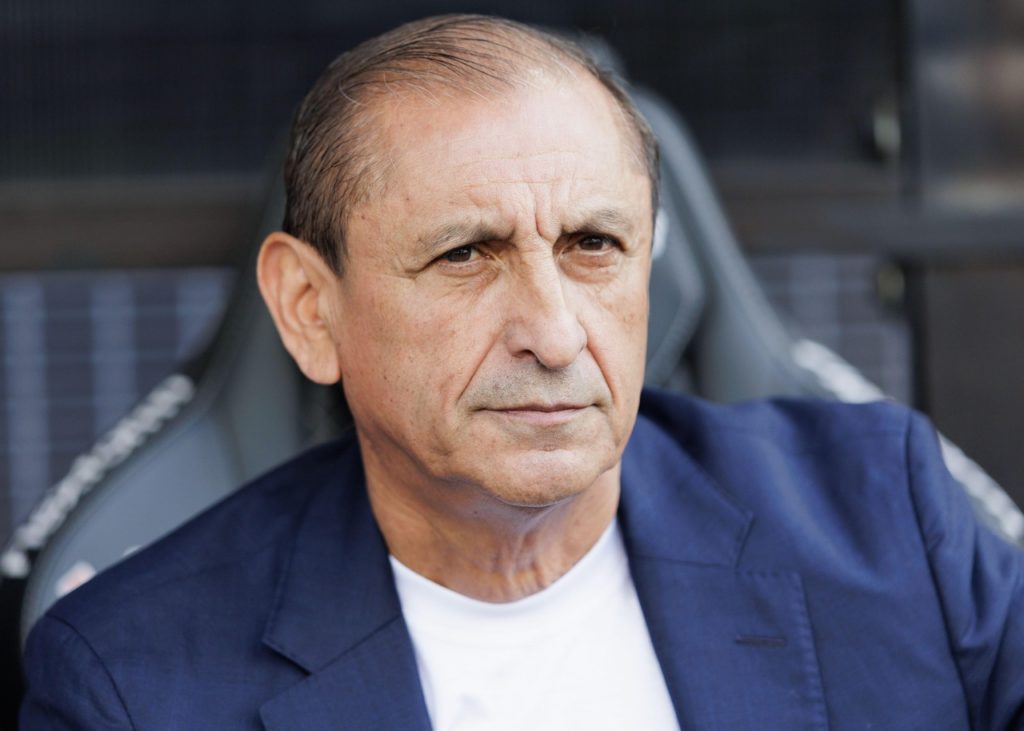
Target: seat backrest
741	348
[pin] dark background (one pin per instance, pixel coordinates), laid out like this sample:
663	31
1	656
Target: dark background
870	155
122	88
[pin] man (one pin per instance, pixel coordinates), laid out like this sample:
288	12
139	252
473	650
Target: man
505	544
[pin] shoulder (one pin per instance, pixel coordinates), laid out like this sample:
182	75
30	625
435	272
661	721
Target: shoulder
177	627
787	424
792	445
830	485
820	477
234	546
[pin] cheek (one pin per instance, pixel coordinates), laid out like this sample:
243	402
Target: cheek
621	311
617	339
412	352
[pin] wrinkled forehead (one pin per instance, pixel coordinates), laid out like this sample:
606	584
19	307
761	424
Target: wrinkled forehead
540	132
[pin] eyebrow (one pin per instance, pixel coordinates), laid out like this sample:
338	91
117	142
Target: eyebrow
462	233
602	219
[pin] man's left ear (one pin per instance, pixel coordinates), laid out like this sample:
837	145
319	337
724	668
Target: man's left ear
296	284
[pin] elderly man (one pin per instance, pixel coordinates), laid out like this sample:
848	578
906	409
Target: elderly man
504	544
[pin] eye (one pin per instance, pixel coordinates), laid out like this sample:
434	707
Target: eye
460	254
595	243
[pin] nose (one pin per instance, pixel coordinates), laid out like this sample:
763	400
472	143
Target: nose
542	321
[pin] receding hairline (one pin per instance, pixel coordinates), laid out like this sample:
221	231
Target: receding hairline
527	66
335	159
382	110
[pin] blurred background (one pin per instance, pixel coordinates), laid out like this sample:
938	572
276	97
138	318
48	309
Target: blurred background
870	156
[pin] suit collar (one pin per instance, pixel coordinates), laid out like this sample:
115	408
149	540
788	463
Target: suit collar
338	578
337	588
338	555
670	509
337	616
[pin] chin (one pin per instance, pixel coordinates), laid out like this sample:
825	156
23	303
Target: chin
545	479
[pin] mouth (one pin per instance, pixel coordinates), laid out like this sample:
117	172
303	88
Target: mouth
542	414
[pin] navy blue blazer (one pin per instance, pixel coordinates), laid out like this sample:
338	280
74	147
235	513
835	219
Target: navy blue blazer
800	566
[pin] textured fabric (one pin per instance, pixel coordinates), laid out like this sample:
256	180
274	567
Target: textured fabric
800	565
576	655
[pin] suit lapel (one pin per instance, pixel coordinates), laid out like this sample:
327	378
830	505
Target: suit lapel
337	616
734	644
374	685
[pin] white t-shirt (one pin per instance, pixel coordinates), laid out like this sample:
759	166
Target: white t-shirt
576	655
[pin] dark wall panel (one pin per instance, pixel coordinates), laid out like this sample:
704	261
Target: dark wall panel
125	87
972	341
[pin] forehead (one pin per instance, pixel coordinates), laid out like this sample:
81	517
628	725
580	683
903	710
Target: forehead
566	136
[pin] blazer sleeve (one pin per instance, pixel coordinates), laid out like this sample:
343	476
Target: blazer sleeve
980	581
69	687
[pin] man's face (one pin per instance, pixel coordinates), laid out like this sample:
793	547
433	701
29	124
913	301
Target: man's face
492	318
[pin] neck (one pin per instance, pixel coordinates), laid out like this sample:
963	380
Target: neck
478	546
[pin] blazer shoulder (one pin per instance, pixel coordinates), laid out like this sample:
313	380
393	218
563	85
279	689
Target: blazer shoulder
785	423
787	459
258	519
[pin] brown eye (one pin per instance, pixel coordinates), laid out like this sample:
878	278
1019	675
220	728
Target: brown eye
459	255
594	243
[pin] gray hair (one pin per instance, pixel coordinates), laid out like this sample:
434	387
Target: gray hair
330	164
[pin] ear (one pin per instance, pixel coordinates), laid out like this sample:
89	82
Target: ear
298	287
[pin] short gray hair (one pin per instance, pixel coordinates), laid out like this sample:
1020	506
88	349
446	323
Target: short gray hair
330	165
